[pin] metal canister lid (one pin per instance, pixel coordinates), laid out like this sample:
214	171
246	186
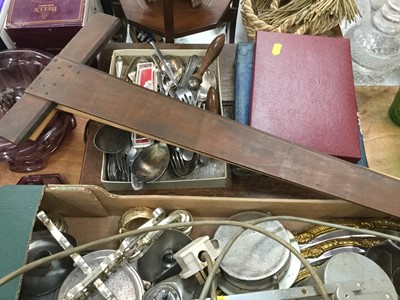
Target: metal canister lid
254	259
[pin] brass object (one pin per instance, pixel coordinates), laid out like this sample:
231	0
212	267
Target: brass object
318	250
134	214
321	248
304	273
314	252
311	233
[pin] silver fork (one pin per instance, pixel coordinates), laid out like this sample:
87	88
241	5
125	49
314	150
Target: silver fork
180	167
182	91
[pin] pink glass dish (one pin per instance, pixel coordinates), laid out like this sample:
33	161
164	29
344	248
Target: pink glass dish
18	68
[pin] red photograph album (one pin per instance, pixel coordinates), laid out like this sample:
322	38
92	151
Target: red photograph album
303	92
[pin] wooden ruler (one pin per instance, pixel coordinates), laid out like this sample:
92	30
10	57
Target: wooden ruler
29	112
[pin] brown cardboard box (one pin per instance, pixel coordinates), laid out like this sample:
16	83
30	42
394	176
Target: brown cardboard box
92	213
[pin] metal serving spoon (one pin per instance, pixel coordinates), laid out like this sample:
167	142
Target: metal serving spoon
149	165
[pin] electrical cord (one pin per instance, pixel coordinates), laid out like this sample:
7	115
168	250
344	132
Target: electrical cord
210	278
316	278
210	266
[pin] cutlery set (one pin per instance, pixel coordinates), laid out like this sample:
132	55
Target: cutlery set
192	83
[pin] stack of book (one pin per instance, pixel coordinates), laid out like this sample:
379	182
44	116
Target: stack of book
300	88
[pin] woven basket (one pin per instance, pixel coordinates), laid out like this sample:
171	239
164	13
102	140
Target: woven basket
314	17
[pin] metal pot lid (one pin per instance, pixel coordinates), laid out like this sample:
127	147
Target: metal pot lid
254	257
124	283
159	257
231	287
45	279
349	269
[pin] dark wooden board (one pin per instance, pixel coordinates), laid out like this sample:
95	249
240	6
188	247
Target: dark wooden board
103	98
21	121
251	185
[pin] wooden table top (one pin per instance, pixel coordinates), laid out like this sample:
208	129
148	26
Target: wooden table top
80	163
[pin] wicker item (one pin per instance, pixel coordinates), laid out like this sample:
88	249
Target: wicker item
314	17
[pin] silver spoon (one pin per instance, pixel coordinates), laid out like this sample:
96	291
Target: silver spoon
149	165
131	155
208	80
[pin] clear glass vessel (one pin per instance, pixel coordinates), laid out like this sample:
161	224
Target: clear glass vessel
375	45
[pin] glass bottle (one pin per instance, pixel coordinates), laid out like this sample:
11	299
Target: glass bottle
394	109
375	45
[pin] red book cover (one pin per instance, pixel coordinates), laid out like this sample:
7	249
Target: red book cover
303	91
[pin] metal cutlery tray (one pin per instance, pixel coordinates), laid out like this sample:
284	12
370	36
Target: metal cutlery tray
211	175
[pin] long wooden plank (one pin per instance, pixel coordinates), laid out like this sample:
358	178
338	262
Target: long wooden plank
22	120
113	101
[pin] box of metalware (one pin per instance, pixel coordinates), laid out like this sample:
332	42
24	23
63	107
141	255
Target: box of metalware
209	173
48	24
35	219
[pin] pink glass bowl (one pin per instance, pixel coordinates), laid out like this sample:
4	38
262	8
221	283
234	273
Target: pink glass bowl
18	68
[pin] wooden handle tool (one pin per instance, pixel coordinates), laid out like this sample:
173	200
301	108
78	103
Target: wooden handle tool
212	101
213	50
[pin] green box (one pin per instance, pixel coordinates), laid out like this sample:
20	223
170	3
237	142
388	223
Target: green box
18	207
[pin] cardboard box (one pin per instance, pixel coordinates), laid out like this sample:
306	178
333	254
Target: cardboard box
211	175
92	213
48	24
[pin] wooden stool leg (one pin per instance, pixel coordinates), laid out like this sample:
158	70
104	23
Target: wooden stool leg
169	20
230	17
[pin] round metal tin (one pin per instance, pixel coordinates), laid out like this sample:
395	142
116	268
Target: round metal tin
254	260
353	268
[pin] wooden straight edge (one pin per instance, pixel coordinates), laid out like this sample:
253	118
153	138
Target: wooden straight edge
109	100
86	44
24	118
43	125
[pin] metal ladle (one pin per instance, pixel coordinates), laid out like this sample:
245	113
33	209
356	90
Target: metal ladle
149	165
